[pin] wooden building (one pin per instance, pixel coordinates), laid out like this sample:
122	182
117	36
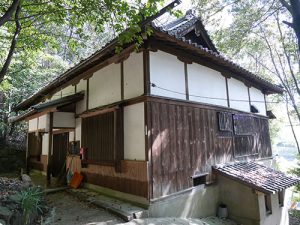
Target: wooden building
153	121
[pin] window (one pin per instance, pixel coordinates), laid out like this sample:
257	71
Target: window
199	179
281	198
225	121
243	124
245	146
268	204
102	137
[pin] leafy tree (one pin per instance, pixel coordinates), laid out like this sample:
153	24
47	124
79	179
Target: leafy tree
29	25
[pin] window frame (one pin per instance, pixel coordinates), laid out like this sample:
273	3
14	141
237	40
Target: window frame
116	148
268	204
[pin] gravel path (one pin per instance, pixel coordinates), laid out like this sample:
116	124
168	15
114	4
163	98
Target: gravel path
70	211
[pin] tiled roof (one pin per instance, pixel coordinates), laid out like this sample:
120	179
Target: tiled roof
59	102
50	104
259	177
180	27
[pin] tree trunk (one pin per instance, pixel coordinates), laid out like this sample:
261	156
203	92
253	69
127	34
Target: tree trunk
295	11
7	62
8	14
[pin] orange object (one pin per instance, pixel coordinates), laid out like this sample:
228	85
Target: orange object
76	180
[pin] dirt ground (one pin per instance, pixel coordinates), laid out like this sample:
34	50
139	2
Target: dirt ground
70	211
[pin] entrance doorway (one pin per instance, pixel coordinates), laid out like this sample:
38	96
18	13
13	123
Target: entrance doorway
60	148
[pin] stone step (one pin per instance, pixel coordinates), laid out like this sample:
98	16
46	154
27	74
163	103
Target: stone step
122	209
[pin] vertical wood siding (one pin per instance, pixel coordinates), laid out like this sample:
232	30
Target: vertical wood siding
185	140
98	137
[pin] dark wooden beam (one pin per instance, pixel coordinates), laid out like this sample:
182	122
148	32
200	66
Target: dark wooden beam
87	93
227	92
187	94
122	80
249	97
50	145
146	66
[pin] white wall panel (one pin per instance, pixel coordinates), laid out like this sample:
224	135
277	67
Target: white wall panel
78	130
205	82
71	136
238	91
70	90
63	119
32	125
133	76
167	71
43	121
57	95
258	100
45	144
105	86
81	105
134	132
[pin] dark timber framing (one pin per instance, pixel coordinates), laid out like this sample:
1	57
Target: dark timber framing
187	94
227	91
87	93
146	66
122	79
49	163
249	97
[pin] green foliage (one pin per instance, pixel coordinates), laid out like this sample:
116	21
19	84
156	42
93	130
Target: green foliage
252	34
31	202
296	171
54	36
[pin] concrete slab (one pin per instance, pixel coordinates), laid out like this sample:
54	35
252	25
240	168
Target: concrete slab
124	210
180	221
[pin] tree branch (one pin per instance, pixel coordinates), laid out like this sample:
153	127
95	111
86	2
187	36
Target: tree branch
8	14
12	46
286	5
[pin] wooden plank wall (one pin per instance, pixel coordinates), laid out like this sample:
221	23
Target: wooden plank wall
98	137
185	140
133	179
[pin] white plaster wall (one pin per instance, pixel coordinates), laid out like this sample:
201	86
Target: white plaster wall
258	100
205	82
133	76
57	95
78	130
70	90
43	121
71	136
45	144
134	132
200	202
63	119
279	214
166	71
105	86
81	105
238	91
231	194
32	125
